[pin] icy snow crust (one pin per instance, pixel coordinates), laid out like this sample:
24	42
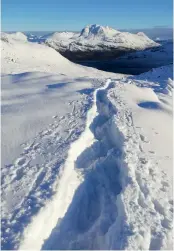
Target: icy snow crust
90	163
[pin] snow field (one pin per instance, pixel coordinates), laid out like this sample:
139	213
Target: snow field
90	165
117	202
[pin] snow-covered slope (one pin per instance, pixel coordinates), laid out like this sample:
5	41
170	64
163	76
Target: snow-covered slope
152	57
19	36
19	56
63	35
124	39
115	191
86	155
98	32
96	38
44	103
23	61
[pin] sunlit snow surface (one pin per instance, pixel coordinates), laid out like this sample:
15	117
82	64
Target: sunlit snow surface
95	37
86	155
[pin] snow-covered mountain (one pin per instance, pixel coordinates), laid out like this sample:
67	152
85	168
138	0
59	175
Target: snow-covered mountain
145	60
158	54
40	57
97	41
19	55
98	32
62	35
18	36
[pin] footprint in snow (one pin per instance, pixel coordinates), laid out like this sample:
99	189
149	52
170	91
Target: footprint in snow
23	144
165	184
143	160
152	173
35	146
140	147
46	132
21	161
166	223
54	117
152	152
143	138
19	174
31	147
9	166
164	174
158	207
171	202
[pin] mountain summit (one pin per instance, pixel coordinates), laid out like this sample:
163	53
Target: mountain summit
96	30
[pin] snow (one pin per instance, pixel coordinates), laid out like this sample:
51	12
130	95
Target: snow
45	99
125	151
151	188
18	36
68	184
94	36
40	58
92	31
63	35
155	57
86	155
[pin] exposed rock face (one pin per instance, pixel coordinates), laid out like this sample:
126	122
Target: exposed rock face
96	42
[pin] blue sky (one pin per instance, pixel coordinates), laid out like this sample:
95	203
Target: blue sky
52	15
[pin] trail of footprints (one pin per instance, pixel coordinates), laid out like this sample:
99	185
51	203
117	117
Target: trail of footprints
32	149
38	167
155	189
152	184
